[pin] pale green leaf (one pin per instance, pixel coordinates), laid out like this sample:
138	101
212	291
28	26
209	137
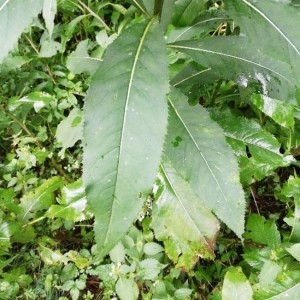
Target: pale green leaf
292	293
268	273
294	250
152	248
127	289
281	112
178	207
150	268
15	16
79	61
49	11
72	204
236	286
52	257
117	253
40	198
126	116
197	148
69	130
145	6
183	294
49	48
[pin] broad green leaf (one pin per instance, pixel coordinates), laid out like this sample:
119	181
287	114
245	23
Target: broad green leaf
69	130
178	207
166	13
10	29
127	289
40	198
152	248
79	61
126	116
145	6
263	147
281	112
233	57
262	231
236	286
197	149
292	293
49	11
271	23
294	250
186	11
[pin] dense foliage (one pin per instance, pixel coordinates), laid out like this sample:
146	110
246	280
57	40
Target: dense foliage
149	149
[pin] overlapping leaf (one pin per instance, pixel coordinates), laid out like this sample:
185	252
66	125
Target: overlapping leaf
126	116
178	207
249	57
15	16
198	151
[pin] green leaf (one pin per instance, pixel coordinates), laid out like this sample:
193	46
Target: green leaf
281	112
198	151
150	268
262	231
79	61
152	248
49	11
117	253
292	293
40	198
126	116
72	204
202	24
69	130
183	294
185	11
10	30
52	258
263	147
236	286
268	273
179	207
127	289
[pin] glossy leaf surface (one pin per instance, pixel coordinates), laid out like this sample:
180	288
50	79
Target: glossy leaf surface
10	29
181	220
126	115
197	149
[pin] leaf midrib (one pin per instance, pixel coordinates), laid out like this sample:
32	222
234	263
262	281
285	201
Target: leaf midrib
137	55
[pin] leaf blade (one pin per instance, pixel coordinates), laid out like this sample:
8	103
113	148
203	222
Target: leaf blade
200	160
126	128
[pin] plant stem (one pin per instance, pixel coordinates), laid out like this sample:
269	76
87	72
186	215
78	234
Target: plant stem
37	142
94	14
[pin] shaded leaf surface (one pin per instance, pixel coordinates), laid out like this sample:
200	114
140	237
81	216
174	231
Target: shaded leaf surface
181	220
197	148
126	115
10	29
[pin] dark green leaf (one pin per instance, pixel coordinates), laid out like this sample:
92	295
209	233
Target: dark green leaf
126	116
